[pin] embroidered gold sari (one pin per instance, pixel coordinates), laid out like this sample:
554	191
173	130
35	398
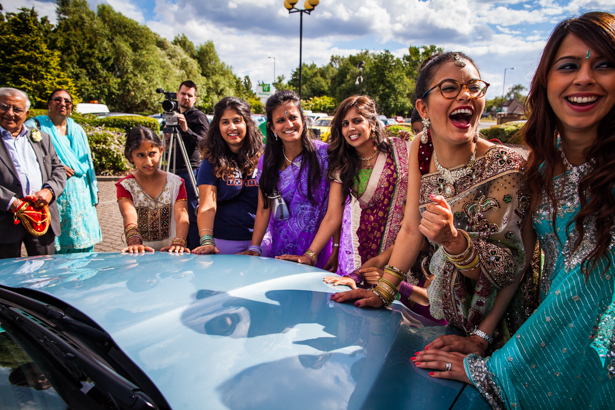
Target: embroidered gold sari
491	205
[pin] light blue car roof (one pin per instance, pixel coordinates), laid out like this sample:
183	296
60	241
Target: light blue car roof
240	332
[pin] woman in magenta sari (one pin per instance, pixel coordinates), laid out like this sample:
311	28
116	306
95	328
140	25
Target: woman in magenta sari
369	180
292	176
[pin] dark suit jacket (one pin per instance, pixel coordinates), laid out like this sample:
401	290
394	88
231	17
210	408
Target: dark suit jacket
53	174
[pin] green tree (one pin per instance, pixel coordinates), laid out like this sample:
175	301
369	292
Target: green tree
26	62
87	57
386	82
256	105
281	85
416	56
187	45
515	93
324	104
143	61
218	76
247	85
316	80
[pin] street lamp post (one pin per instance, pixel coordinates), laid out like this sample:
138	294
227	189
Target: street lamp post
360	77
503	84
308	7
273	68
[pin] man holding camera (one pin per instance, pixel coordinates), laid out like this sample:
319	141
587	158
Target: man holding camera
192	125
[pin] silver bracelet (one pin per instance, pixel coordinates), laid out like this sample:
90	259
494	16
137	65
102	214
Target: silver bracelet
482	335
206	229
336	245
256	249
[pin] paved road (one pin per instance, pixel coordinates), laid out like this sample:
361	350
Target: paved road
109	218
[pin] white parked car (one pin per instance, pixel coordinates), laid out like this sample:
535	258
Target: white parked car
91	108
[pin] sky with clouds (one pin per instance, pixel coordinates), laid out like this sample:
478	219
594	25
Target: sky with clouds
496	34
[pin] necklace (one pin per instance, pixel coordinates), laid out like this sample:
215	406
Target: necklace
575	172
368	164
450	177
298	163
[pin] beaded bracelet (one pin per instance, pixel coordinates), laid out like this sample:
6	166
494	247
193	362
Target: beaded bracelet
256	248
179	241
311	256
207	240
395	272
206	229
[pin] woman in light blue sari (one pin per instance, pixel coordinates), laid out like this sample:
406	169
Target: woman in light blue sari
77	204
563	356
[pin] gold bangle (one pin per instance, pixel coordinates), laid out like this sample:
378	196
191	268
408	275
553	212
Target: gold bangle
383	280
386	298
395	272
388	289
463	255
469	266
311	256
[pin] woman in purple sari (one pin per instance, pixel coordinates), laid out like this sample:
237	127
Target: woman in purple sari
292	176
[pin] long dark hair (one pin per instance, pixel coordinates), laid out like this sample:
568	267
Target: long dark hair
215	150
274	154
343	158
542	128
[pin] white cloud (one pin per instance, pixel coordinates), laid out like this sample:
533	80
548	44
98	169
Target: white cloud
246	32
43	8
127	9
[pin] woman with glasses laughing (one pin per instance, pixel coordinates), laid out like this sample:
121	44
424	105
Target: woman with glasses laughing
78	218
467	197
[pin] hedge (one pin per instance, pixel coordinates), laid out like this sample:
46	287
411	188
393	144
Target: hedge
127	122
107	145
107	137
508	133
393	130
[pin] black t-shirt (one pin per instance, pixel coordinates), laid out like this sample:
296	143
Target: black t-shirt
198	124
237	202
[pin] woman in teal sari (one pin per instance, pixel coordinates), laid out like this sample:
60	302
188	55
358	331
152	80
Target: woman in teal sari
77	204
563	356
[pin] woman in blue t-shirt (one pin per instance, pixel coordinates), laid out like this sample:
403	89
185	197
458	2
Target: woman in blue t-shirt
228	189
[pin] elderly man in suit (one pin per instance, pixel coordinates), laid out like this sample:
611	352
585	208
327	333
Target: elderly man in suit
29	165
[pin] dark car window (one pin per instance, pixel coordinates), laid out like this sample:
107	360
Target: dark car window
22	383
323	123
30	380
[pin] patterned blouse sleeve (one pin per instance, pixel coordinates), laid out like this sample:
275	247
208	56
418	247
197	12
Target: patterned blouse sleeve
182	195
499	244
122	193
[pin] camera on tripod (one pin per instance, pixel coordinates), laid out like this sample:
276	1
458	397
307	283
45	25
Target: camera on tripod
169	105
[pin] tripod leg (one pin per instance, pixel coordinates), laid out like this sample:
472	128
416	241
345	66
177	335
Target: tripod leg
182	147
170	145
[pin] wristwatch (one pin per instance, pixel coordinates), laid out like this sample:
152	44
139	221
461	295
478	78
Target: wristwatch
53	194
482	335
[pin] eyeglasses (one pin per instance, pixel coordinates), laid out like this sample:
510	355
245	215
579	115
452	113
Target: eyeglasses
450	88
16	110
60	99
